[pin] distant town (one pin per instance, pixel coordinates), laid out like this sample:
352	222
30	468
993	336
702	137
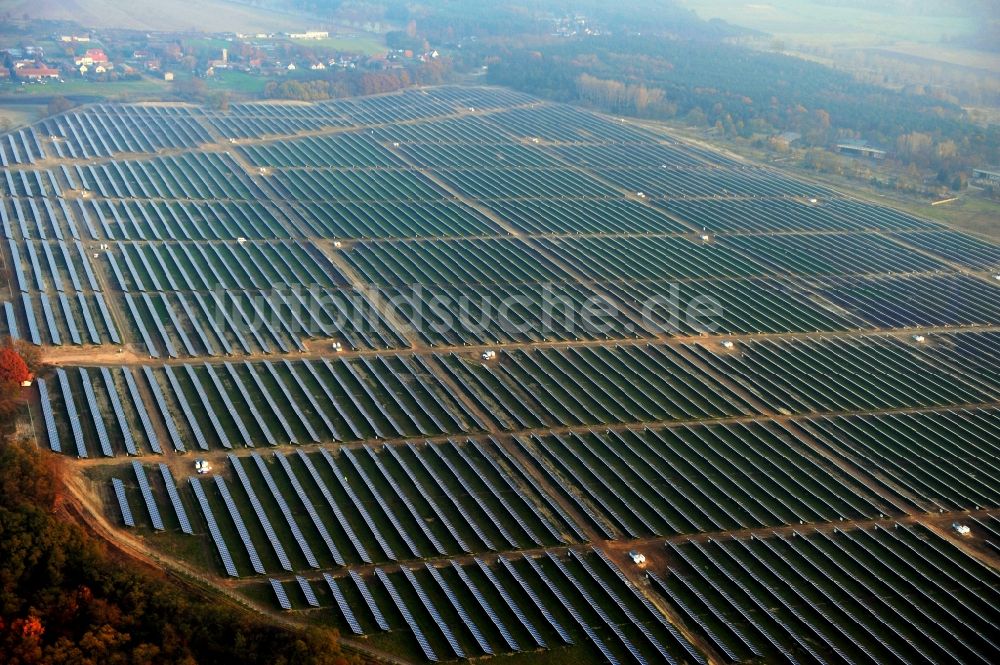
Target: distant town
120	56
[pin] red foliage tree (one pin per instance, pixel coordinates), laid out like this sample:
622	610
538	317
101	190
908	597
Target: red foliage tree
13	369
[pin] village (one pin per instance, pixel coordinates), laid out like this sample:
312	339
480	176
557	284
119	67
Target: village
128	55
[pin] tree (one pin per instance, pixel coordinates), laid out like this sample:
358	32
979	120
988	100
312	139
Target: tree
13	369
31	354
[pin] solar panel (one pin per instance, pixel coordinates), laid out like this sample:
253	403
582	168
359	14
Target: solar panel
71	413
496	494
358	505
279	593
415	482
345	608
258	509
650	608
193	320
407	616
230	408
15	259
530	593
70	267
167	344
438	483
161	403
137	318
264	392
616	599
345	525
405	500
507	599
175	500
431	609
460	609
140	407
88	320
177	326
286	512
310	509
332	399
50	259
50	319
206	405
29	313
313	436
598	608
307	591
147	495
50	424
11	317
249	404
109	322
359	582
473	495
116	405
383	504
36	268
95	414
534	484
316	408
119	487
192	420
119	276
87	268
213	528
241	528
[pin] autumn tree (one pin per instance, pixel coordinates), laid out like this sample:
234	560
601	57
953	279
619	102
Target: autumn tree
13	369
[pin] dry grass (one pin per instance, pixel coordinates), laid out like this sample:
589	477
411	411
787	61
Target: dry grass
20	115
166	15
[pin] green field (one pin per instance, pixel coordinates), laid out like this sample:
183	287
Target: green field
241	83
810	22
145	88
363	44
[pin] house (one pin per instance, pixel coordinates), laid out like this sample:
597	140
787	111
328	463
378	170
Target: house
91	57
290	67
74	38
317	66
785	140
168	76
986	176
860	149
309	34
37	73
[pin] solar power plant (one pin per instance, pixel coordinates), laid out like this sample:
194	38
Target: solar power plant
469	375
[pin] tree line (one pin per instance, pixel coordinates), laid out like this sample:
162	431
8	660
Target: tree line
743	92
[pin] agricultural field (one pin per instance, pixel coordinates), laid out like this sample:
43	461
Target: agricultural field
469	375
